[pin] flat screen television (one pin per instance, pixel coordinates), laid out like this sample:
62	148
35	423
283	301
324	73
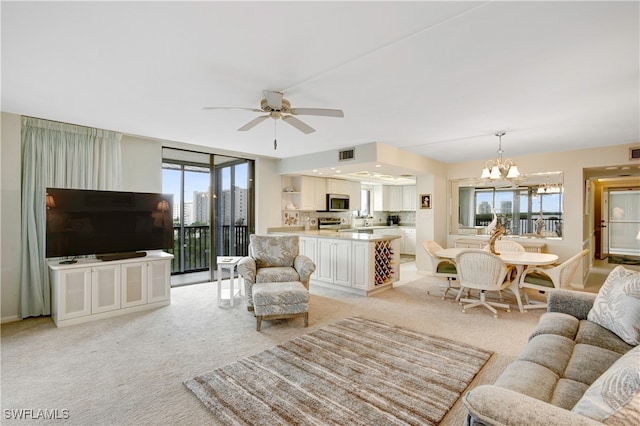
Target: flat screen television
108	224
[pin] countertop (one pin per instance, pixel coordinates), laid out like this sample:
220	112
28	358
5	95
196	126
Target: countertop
337	235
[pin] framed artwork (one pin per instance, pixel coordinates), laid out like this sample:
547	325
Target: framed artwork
425	201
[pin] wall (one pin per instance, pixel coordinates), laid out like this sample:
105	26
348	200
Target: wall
141	171
571	163
10	216
141	164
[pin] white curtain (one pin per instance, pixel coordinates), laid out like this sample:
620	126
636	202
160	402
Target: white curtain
57	155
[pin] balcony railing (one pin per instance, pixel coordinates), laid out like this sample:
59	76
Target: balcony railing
196	247
525	225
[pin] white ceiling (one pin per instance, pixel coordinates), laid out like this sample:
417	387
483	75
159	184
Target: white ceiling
435	78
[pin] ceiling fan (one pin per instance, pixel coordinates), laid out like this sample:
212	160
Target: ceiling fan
276	107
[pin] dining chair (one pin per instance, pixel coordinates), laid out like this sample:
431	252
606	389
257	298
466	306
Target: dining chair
441	267
484	271
504	245
545	279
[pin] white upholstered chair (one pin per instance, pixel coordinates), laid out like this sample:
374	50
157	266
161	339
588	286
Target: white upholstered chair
441	267
484	271
545	279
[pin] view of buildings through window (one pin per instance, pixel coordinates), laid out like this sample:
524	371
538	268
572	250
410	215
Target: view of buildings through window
519	209
196	195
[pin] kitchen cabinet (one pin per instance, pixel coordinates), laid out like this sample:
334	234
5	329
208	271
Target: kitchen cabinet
333	261
312	193
381	198
409	241
351	188
92	289
409	197
395	198
308	246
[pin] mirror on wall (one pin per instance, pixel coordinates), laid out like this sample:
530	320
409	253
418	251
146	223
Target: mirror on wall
530	206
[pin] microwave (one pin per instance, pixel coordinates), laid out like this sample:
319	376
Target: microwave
337	202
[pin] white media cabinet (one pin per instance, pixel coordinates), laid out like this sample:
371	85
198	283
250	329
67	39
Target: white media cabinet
92	289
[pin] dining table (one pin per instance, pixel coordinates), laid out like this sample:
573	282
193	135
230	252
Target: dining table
520	260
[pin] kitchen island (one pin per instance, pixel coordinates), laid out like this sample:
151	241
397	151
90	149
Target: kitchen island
362	264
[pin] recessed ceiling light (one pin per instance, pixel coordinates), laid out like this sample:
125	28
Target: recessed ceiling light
378	165
315	171
611	168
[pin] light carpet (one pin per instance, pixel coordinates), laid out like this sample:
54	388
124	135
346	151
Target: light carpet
356	371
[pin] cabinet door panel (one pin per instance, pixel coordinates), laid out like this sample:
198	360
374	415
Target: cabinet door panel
342	262
105	288
159	286
360	265
134	284
75	293
324	266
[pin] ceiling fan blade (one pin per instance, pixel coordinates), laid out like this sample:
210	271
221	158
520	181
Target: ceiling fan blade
318	111
304	128
274	99
235	109
253	123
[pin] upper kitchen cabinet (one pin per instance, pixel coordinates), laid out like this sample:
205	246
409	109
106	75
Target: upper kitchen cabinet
351	188
381	198
312	193
409	198
303	193
394	198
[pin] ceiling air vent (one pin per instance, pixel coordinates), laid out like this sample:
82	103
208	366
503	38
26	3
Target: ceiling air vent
347	154
634	153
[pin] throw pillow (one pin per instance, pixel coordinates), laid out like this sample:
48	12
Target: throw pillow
614	398
617	305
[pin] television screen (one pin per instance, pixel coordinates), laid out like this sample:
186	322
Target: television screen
87	222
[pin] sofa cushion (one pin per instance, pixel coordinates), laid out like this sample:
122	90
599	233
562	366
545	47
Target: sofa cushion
593	334
277	274
617	305
549	350
530	379
588	362
567	393
615	394
556	323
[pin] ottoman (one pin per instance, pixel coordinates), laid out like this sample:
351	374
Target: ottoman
280	300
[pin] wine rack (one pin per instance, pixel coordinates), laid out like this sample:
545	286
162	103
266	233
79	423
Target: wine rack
384	262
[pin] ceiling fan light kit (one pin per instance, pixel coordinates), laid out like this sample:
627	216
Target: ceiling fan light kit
277	108
500	169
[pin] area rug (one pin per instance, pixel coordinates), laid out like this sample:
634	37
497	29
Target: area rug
355	372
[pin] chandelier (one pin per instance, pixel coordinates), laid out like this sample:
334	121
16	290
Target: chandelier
549	188
500	168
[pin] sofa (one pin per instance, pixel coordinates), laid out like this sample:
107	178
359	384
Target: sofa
581	364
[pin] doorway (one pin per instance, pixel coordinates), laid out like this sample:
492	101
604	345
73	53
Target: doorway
212	213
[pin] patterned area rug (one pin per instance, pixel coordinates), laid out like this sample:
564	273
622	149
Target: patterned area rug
354	372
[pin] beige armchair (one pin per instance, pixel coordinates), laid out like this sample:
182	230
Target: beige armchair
274	258
545	279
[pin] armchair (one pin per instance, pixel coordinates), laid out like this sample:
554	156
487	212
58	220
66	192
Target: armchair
549	278
274	258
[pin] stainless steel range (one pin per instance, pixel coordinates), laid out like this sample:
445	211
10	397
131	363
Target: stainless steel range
331	223
334	224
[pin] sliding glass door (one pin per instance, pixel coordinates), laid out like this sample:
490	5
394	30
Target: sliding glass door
212	213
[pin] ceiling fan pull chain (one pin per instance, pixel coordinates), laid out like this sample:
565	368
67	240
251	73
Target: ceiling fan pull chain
275	141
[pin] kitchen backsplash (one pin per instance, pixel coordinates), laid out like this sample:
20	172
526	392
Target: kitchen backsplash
303	218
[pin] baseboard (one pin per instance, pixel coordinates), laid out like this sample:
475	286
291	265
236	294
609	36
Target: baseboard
12	318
